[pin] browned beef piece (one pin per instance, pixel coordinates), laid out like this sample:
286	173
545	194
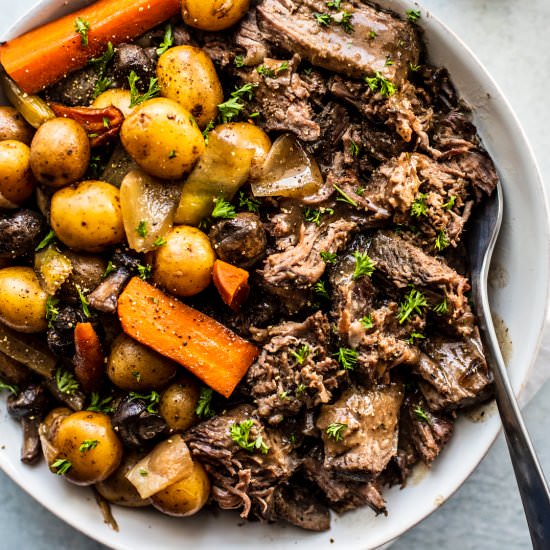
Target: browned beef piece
291	24
298	506
294	369
369	437
281	96
343	494
437	84
242	479
454	373
404	264
428	431
250	39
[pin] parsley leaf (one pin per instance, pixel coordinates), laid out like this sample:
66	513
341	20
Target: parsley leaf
329	257
334	4
49	238
101	85
239	61
321	289
419	206
266	72
343	196
10	387
302	354
354	149
83	302
104	59
414	68
450	203
204	405
250	203
240	434
314	215
415	336
223	209
421	414
414	302
99	404
367	321
364	266
441	241
347	357
82	27
207	130
413	15
442	307
52	311
160	241
324	19
168	41
234	105
88	445
109	269
145	271
62	466
141	229
335	431
152	399
66	382
135	97
380	84
345	22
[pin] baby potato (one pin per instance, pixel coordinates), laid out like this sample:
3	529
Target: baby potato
213	15
88	216
117	489
117	97
247	136
89	447
183	266
133	366
60	152
14	126
22	300
187	75
178	403
16	179
185	497
163	138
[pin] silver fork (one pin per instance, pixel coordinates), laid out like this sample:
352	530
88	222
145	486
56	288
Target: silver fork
481	238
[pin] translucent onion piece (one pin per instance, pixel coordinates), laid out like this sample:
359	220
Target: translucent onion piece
220	172
148	208
289	171
53	269
118	166
168	463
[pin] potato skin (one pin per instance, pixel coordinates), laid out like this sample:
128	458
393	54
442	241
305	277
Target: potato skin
88	216
248	136
16	178
117	489
183	266
186	497
60	152
14	126
116	97
134	367
92	465
213	15
178	403
163	138
22	300
187	75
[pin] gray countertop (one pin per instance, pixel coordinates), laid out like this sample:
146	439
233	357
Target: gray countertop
511	38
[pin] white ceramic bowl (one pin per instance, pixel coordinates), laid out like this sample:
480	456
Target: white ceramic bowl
518	297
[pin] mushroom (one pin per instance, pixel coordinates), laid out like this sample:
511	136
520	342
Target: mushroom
20	233
105	297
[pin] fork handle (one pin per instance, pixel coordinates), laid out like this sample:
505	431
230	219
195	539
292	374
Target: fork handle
532	484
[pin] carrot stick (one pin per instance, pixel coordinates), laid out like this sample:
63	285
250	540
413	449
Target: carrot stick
89	362
206	348
46	54
231	282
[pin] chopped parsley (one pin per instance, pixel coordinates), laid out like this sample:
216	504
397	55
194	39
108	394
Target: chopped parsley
99	404
62	466
450	203
143	472
336	430
239	61
207	130
66	382
172	154
415	336
109	269
135	97
52	311
346	22
419	206
48	239
152	399
223	209
380	84
88	445
83	302
249	203
204	405
300	389
234	105
145	271
442	307
364	266
101	86
389	61
240	434
334	4
372	35
441	241
11	388
141	229
324	19
168	40
160	241
313	215
266	72
106	122
413	15
414	68
367	321
421	414
137	375
81	26
354	149
343	196
302	354
347	357
414	302
321	289
329	257
104	59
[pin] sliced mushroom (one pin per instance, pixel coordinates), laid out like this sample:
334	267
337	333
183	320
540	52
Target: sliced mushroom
105	297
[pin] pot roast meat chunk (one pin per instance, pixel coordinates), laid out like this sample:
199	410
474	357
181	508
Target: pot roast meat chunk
242	479
454	373
294	369
368	440
298	506
292	25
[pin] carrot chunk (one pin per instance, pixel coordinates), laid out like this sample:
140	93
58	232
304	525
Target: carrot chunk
231	282
212	352
89	364
46	54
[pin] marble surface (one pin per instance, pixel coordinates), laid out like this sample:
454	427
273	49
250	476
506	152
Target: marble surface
511	38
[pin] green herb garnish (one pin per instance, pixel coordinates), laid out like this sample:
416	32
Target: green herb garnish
141	229
10	387
380	84
414	302
343	196
354	149
367	321
62	466
442	307
159	241
450	203
415	336
329	257
135	97
413	15
49	238
314	215
240	434
82	27
83	302
419	206
234	105
336	430
239	61
205	133
168	41
101	86
204	405
98	404
250	203
145	271
441	241
324	19
364	266
347	357
421	414
301	354
223	209
66	382
152	399
52	311
88	445
321	289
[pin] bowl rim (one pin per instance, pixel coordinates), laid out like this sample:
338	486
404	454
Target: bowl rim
87	528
